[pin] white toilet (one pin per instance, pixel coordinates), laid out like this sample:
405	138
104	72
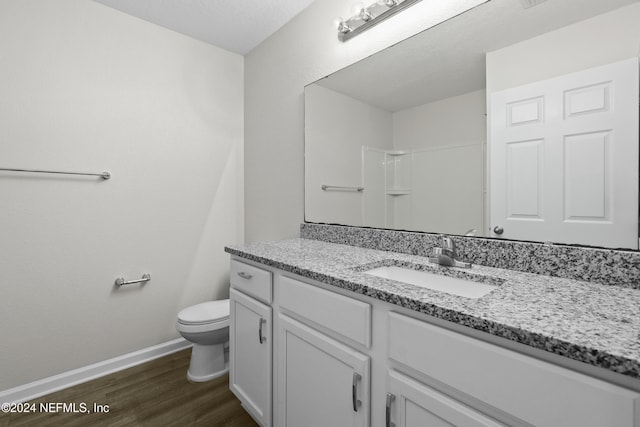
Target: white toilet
206	325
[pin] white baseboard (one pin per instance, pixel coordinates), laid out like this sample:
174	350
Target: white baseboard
67	379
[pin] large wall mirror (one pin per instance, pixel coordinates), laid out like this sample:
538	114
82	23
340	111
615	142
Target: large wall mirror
514	120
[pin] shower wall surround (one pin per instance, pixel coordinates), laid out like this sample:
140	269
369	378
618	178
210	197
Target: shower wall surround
605	266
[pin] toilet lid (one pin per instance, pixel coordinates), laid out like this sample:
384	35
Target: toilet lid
206	312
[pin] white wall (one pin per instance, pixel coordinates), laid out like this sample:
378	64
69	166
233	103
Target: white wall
304	50
452	121
601	40
87	88
448	190
337	127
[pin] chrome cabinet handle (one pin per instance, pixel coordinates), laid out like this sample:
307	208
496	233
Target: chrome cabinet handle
354	391
390	399
498	230
245	275
261	338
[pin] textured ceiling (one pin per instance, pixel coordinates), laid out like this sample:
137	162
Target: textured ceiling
234	25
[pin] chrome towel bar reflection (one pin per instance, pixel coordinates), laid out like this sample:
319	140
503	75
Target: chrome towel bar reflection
145	278
339	188
103	175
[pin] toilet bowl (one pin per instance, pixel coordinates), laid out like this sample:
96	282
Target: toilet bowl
206	325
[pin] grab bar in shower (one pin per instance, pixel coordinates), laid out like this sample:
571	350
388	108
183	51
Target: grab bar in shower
121	282
103	175
340	188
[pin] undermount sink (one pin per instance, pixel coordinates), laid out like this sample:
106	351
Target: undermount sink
436	282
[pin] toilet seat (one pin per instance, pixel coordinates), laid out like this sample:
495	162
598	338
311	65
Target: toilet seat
205	313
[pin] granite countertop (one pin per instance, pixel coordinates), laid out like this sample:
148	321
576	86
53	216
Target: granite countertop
589	322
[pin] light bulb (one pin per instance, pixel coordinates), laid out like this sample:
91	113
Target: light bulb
362	12
341	26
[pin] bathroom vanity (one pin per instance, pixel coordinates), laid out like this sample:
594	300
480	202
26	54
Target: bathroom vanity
316	341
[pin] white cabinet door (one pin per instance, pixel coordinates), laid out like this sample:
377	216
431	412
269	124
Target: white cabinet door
321	382
413	404
250	355
564	158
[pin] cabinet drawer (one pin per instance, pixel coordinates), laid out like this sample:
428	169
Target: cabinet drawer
346	316
537	392
251	280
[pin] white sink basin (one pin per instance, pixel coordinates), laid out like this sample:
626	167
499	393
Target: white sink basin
437	282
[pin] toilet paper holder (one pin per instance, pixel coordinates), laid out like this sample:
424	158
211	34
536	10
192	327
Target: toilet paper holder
145	278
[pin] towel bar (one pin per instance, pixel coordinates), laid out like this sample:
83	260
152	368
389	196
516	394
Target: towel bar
341	188
103	175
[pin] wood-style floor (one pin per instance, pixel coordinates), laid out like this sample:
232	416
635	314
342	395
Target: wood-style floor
156	393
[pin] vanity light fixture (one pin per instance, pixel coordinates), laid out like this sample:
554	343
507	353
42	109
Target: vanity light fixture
366	17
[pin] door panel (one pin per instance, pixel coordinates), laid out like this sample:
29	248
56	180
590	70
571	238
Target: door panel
524	179
587	177
250	355
415	405
317	379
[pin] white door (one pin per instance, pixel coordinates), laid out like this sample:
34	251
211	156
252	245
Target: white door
321	382
250	355
564	158
413	404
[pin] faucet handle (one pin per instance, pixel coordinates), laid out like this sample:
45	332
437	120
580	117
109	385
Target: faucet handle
447	243
446	255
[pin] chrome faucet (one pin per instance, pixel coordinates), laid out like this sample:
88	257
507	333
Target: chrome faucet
446	255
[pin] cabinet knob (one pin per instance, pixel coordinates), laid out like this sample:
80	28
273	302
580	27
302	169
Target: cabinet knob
498	230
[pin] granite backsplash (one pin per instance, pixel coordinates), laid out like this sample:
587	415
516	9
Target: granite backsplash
605	266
